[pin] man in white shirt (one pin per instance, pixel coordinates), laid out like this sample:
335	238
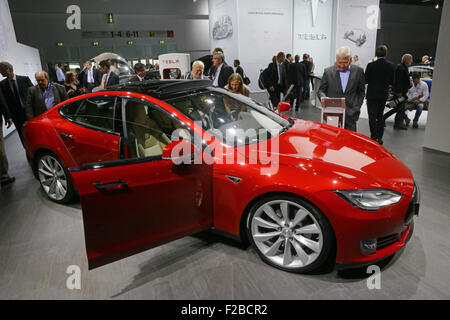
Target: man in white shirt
417	95
60	75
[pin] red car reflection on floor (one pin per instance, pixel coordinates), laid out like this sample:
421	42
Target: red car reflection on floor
301	192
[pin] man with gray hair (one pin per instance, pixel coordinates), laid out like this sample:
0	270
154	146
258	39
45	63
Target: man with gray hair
15	90
222	70
196	73
344	80
43	96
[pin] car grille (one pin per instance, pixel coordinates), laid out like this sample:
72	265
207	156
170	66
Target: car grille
387	241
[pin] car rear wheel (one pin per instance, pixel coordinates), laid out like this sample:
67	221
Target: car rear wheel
290	234
54	179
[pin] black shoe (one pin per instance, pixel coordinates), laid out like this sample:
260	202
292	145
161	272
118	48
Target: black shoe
380	141
6	181
407	121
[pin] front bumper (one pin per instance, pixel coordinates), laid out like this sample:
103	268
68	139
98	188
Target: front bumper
389	228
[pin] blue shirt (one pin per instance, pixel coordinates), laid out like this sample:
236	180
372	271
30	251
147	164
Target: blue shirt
344	78
49	96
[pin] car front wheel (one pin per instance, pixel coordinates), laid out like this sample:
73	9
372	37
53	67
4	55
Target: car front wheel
290	234
54	179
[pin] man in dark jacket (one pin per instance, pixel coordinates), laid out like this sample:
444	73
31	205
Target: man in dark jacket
276	80
237	65
308	66
109	77
15	89
5	179
90	77
402	83
43	96
297	77
379	76
222	70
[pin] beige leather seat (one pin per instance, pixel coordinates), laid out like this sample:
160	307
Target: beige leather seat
150	140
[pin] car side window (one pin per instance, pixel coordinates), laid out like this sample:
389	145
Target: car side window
148	129
98	113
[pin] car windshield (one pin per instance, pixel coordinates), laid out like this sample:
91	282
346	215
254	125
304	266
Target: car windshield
232	118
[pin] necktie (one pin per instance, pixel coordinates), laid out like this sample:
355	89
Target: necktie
16	93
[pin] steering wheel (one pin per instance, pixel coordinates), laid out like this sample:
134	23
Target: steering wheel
233	115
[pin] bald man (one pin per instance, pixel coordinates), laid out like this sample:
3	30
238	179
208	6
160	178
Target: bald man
43	96
401	85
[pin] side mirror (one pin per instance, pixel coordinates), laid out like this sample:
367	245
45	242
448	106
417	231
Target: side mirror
283	106
179	151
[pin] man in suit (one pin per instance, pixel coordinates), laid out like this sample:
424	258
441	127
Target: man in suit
140	75
44	95
297	77
109	77
345	81
237	65
222	71
211	69
287	62
276	80
379	76
401	85
5	178
90	77
15	90
308	66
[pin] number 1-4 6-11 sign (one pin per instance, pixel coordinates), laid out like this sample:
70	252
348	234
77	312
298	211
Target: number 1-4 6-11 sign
128	34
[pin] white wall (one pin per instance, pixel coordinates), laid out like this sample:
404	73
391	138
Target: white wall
25	59
265	28
353	16
316	39
437	134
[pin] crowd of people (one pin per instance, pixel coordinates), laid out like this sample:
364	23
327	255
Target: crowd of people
347	79
285	75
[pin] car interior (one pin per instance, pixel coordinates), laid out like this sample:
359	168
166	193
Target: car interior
152	129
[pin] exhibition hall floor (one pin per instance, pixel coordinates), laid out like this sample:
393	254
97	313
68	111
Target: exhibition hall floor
39	240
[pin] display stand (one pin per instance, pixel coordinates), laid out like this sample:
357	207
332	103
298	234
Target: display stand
334	108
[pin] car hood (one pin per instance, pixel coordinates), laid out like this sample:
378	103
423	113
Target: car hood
345	154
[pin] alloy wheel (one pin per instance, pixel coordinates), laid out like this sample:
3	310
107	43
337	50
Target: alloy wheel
286	234
52	177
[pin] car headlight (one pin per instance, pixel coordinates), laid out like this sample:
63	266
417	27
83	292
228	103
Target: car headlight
370	199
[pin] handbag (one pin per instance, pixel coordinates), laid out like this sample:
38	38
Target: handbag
246	80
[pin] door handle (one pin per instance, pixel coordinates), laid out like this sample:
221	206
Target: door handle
66	136
111	186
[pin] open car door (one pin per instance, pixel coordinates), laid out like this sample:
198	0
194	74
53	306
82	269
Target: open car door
135	204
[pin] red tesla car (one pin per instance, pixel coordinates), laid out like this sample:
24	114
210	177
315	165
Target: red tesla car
301	192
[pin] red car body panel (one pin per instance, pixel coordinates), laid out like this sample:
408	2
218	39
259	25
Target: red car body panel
136	216
160	201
